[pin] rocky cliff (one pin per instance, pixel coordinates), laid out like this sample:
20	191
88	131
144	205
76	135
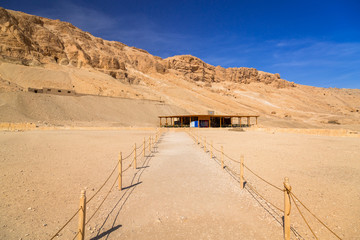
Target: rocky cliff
33	40
197	70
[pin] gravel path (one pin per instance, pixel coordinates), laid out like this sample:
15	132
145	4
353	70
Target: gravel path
181	193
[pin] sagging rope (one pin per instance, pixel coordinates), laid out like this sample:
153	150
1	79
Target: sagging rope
274	186
128	166
112	186
92	197
65	224
103	184
291	193
124	158
253	189
231	158
303	216
139	146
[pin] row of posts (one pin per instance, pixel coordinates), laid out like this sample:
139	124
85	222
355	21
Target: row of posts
287	187
82	211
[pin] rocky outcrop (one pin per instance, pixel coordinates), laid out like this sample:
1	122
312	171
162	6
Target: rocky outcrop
33	40
196	70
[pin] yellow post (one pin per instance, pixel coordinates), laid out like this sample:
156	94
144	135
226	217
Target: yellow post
211	149
287	208
144	148
135	156
248	121
120	172
82	216
205	144
222	157
150	147
240	121
242	171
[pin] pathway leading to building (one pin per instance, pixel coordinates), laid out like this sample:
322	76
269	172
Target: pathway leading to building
183	194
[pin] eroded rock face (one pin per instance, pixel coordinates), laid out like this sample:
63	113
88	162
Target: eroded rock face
33	40
37	40
197	70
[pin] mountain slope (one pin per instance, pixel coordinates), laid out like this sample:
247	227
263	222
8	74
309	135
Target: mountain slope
39	52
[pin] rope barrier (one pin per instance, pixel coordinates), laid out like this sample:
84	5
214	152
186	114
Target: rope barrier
216	149
139	146
102	201
128	166
129	155
274	186
291	193
108	178
76	235
140	153
303	217
65	224
103	183
253	189
231	158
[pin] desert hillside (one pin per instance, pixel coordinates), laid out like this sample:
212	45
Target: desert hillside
121	85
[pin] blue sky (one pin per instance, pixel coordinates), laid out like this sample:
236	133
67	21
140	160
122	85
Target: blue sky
313	43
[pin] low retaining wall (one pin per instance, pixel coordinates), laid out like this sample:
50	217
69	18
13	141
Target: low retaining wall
55	91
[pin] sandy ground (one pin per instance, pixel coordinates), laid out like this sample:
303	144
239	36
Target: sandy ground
177	192
43	172
324	173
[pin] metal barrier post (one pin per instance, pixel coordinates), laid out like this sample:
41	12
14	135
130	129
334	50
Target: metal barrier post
287	208
120	172
242	171
82	216
222	157
135	156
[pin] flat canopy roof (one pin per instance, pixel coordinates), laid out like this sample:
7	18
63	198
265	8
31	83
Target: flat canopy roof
207	115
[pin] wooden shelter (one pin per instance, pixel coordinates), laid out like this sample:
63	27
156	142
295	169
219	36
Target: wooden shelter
207	121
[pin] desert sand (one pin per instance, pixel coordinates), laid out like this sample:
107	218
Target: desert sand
178	191
54	146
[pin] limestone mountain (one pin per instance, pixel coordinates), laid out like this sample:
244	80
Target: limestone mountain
33	40
37	52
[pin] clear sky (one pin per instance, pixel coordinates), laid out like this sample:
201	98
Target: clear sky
314	42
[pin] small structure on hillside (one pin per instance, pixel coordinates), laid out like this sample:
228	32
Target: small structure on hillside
206	121
55	91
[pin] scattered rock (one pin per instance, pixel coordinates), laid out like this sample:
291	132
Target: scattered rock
334	122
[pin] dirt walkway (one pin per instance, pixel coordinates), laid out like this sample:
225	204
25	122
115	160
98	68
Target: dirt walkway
180	193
